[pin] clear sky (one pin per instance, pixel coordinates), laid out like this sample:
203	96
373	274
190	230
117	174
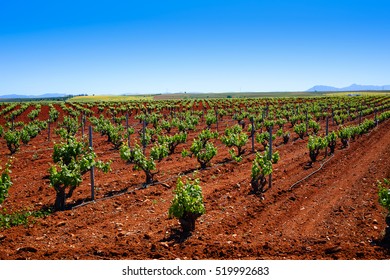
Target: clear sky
148	46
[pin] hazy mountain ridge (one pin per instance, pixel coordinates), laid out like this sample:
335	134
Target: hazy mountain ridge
353	87
46	95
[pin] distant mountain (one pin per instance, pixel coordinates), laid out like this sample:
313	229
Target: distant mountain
323	88
46	95
353	87
13	96
52	95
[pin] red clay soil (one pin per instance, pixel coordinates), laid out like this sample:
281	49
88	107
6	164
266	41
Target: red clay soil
333	214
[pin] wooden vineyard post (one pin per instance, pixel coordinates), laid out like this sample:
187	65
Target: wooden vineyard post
48	130
375	118
127	129
127	120
143	136
327	126
326	133
84	121
332	117
253	134
216	116
82	125
307	132
270	156
92	168
360	117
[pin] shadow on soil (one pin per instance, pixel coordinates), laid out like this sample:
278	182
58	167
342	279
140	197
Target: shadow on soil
108	194
114	193
385	241
177	236
78	202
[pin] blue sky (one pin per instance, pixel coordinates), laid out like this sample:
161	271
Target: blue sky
106	47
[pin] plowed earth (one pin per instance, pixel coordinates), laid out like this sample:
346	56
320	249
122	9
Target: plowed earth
333	214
